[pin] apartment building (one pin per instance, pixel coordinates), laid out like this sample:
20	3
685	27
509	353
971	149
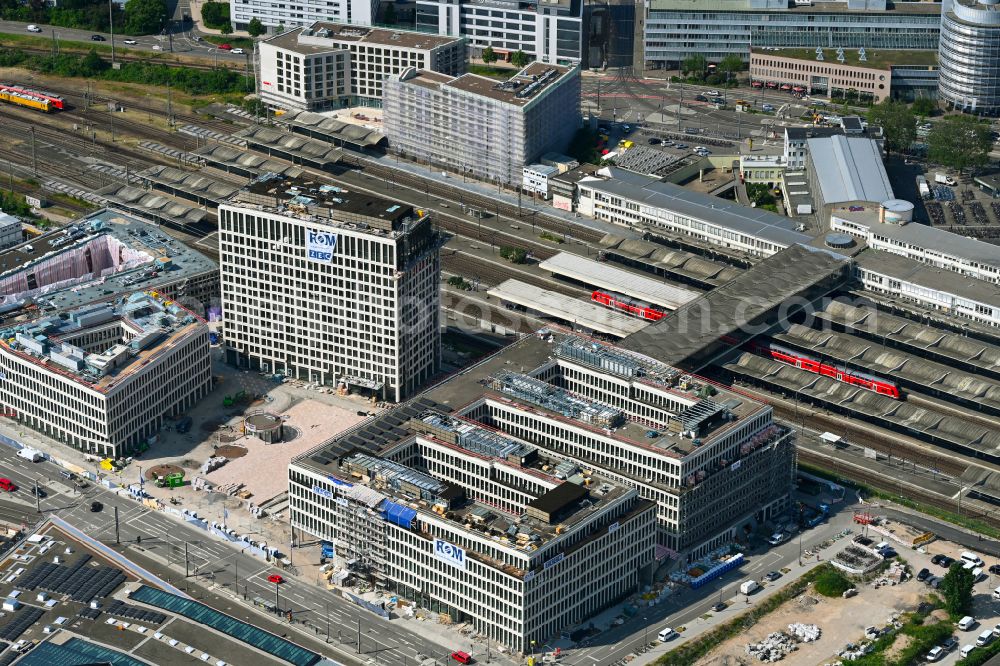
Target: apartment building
675	29
330	286
302	12
486	128
550	31
330	66
102	378
633	200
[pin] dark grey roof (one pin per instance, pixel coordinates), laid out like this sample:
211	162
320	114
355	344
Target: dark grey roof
926	237
915	272
738	308
753	222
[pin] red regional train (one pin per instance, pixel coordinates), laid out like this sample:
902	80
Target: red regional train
627	305
797	359
55	101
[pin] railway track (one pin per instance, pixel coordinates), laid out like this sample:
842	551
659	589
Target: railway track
942	407
875	480
478	201
456	225
471	267
128	57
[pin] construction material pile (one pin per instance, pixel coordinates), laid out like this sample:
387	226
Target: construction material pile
805	633
213	463
775	647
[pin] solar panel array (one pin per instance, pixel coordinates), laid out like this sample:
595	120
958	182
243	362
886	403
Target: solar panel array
79	582
8	657
89	613
22	620
120	609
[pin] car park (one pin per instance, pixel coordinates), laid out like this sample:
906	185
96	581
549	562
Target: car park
131	42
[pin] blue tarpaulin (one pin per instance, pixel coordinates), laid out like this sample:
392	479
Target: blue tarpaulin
717	570
397	514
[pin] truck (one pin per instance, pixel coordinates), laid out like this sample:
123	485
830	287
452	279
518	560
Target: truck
749	587
945	180
30	454
923	188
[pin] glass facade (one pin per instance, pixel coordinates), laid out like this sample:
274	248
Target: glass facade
672	35
970	58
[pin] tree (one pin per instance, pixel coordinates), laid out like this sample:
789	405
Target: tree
389	17
227	28
924	106
215	14
897	121
695	64
960	142
255	28
489	56
730	65
520	59
281	28
957	589
514	255
144	17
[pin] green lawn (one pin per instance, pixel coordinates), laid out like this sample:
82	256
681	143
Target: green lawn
492	72
877	58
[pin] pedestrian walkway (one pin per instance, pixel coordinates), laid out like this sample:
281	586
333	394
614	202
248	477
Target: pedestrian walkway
118	558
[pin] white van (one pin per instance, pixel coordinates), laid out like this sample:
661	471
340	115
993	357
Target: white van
748	587
30	454
996	593
966	650
881	544
970	557
985	638
966	623
666	634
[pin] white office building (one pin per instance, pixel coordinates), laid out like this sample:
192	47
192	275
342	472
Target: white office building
296	13
550	31
907	280
329	286
480	126
535	178
329	66
471	523
102	378
885	229
674	29
11	232
633	200
494	462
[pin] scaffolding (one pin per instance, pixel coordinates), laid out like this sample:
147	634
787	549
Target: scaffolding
556	399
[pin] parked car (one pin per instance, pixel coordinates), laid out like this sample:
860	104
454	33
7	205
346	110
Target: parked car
700	98
462	657
237	51
712	93
935	581
34	28
936	653
772	576
275	578
950	643
653	141
995	569
719	607
946	561
936	559
157	47
924	574
131	42
767	107
682	146
97	38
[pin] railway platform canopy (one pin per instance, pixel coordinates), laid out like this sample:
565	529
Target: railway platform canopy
709	327
248	165
954	433
157	207
676	264
292	147
957	351
581	315
610	278
325	128
195	187
872	357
